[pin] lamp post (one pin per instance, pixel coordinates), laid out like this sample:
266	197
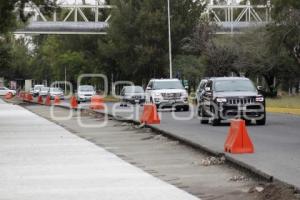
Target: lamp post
170	41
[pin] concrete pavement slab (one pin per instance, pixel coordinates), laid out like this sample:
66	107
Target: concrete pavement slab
41	160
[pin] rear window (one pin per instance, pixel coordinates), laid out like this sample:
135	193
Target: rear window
233	85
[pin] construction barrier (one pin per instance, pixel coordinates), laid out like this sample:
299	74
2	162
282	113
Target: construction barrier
73	102
150	115
97	103
48	101
40	100
9	95
29	97
56	100
238	140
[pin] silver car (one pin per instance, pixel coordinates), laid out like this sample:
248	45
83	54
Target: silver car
43	91
132	94
56	92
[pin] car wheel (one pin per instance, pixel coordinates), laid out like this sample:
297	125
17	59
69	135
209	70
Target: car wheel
262	121
202	115
216	119
186	108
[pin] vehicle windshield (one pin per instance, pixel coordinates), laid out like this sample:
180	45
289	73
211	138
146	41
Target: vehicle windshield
234	85
55	90
134	89
167	85
44	89
37	87
86	88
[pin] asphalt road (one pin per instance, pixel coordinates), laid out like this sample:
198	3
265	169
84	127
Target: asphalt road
276	144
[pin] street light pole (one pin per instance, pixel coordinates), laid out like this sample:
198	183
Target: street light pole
65	79
170	40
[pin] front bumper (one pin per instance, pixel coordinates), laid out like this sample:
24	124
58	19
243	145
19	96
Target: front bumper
247	112
162	103
84	98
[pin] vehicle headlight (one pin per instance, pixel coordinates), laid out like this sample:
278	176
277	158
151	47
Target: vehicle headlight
259	99
157	94
221	100
184	94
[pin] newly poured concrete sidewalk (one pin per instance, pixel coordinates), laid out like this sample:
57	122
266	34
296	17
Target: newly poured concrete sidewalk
40	160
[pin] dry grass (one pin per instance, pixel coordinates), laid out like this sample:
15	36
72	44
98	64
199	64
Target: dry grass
286	104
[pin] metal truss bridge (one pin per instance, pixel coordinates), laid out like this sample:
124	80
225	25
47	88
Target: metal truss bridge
229	18
233	18
68	19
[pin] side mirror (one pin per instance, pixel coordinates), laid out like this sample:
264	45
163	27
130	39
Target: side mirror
148	88
186	87
260	88
207	89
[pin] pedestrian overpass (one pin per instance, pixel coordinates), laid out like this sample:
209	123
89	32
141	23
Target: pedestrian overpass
68	19
75	18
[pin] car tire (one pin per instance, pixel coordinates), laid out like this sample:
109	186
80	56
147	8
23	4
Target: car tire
202	115
262	121
186	108
216	119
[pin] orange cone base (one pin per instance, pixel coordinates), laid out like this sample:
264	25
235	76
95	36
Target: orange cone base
73	102
238	140
48	101
97	103
150	115
40	100
56	100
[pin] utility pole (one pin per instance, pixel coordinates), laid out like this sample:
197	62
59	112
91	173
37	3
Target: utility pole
170	40
65	79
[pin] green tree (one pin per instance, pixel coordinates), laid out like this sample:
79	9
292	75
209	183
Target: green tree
138	35
11	10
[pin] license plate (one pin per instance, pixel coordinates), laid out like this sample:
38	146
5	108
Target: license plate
137	101
171	101
243	108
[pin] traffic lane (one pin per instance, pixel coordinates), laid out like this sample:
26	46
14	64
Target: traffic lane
276	144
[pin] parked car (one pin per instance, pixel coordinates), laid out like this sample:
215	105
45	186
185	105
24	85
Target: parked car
85	93
36	90
133	95
167	93
54	91
5	90
43	91
231	97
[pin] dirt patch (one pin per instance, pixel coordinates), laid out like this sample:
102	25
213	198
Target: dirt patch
273	191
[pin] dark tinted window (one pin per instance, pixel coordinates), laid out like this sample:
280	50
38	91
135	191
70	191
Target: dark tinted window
134	89
234	85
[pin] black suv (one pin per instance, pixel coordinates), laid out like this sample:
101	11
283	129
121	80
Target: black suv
230	98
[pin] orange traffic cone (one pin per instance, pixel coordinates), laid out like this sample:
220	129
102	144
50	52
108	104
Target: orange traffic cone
238	140
9	95
56	100
29	97
40	100
97	103
48	101
150	115
73	102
